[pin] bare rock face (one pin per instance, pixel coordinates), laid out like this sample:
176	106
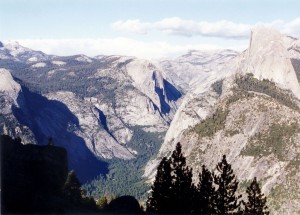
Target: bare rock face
97	135
9	98
192	69
7	84
268	58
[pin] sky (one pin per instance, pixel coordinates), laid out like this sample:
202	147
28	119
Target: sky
142	28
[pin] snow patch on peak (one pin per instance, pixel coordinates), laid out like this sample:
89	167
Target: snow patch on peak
268	58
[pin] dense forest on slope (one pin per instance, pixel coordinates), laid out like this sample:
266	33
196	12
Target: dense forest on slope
126	177
249	83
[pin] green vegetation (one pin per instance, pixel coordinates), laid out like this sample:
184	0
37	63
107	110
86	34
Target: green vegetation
273	140
238	95
212	124
102	202
256	200
75	196
125	176
249	83
225	199
230	133
243	185
276	193
217	86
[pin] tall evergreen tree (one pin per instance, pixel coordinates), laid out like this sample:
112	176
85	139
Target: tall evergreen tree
160	199
102	202
226	201
204	199
72	189
182	187
256	201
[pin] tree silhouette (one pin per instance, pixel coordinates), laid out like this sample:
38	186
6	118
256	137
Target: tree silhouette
72	189
204	199
256	201
182	187
160	198
227	184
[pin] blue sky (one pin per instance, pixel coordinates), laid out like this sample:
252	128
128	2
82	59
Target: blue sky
145	28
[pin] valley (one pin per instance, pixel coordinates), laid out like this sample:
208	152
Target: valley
118	116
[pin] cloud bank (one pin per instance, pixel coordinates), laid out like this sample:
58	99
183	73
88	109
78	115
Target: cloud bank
115	46
222	29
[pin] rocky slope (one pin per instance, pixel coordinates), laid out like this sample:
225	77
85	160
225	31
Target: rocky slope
91	106
9	91
193	68
252	115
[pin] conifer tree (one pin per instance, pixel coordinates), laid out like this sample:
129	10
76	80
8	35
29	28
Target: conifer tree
256	201
72	189
226	201
160	198
182	187
204	199
102	202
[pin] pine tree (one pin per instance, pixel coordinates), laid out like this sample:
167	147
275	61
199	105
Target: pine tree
226	201
102	202
204	199
256	201
182	187
72	189
159	201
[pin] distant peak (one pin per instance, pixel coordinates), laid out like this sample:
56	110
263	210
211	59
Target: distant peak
12	43
1	44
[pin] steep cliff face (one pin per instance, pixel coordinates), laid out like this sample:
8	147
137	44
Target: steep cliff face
252	116
9	94
194	67
32	177
268	58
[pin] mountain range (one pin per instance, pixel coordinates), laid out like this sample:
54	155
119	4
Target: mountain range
107	109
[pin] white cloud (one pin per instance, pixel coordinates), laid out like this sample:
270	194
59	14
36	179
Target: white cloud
116	46
135	26
292	28
221	29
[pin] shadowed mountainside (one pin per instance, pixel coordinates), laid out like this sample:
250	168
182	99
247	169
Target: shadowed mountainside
51	118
